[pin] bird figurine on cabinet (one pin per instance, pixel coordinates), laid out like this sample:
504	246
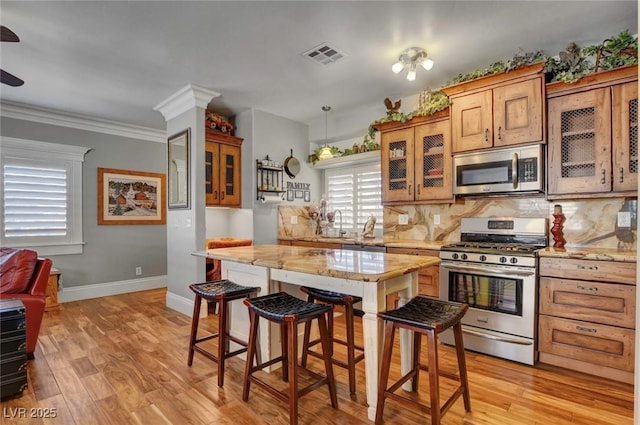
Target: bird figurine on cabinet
367	231
392	107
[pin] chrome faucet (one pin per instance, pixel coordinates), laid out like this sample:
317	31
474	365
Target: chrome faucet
341	232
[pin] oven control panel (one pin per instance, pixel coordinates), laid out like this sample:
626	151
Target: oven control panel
487	258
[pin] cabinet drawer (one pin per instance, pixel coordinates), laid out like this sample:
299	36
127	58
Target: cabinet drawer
13	365
589	342
12	344
603	271
605	303
428	277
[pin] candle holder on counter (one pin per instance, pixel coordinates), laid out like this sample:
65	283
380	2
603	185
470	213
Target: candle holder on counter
556	230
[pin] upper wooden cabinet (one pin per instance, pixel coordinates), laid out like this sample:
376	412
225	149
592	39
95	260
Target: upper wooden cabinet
416	160
222	170
498	110
593	135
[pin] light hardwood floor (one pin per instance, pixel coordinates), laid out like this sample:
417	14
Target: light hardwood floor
123	360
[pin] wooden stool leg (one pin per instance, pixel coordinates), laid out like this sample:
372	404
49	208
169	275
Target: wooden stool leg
223	343
462	365
305	343
292	358
389	333
284	348
434	387
328	364
194	328
251	351
415	363
351	362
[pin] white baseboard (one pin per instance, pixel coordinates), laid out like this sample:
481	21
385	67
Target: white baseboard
77	293
183	305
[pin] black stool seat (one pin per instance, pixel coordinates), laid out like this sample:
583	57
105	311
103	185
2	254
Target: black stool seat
220	293
288	311
222	288
424	316
427	313
277	307
347	301
331	297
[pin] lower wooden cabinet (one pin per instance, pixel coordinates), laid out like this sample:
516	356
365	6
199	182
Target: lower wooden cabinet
587	316
428	277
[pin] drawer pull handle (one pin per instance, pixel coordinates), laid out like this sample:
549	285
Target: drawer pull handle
582	329
587	288
581	267
22	346
22	325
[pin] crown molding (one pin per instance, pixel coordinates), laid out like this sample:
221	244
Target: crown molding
80	122
188	97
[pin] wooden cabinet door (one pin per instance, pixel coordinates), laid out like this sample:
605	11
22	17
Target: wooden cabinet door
471	121
517	113
212	173
428	277
580	143
432	161
229	176
625	137
397	165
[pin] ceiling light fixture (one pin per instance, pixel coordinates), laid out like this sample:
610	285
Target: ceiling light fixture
325	152
411	58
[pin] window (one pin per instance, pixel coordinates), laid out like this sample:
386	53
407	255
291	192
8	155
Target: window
357	193
41	196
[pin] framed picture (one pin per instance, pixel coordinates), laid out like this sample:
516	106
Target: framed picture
178	195
290	195
299	194
131	197
307	196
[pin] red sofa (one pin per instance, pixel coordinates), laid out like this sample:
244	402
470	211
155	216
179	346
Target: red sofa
24	275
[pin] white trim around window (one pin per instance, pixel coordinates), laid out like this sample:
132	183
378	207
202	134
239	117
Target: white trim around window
41	196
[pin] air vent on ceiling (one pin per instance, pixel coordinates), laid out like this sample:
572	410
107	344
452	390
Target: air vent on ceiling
324	54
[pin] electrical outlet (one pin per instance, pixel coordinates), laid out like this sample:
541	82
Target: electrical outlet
294	219
138	271
403	219
436	219
624	219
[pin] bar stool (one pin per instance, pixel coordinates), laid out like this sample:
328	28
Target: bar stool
288	312
424	316
219	292
334	299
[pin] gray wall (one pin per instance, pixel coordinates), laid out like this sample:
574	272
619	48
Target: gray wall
112	252
274	136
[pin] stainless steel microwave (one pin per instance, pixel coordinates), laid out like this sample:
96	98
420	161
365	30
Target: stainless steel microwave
505	170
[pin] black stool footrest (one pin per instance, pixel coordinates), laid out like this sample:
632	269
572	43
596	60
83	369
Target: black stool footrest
428	313
219	288
330	296
277	306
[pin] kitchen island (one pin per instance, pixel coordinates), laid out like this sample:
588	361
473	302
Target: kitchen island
370	275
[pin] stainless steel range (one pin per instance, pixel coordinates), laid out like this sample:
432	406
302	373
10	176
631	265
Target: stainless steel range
494	270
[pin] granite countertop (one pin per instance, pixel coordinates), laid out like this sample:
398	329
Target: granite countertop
344	264
389	243
585	253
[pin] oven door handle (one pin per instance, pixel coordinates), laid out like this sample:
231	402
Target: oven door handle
483	270
494	337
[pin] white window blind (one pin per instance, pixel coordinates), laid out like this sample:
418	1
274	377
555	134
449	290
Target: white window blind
41	196
357	193
35	201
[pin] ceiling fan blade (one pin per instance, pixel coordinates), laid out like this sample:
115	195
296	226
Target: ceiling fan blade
7	35
10	79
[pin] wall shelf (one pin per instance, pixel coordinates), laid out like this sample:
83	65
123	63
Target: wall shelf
341	161
269	181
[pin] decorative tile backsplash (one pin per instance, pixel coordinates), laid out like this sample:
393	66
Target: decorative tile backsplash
589	222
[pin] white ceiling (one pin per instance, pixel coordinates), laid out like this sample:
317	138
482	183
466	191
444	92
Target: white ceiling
117	60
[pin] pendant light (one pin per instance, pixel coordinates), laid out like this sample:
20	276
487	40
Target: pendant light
325	152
